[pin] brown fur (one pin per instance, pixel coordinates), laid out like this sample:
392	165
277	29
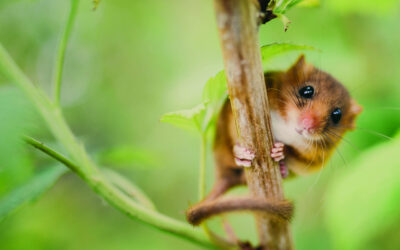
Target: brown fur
283	97
204	210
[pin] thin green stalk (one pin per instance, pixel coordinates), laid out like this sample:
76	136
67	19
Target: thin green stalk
202	174
128	187
115	178
124	203
59	65
219	241
59	157
82	164
50	112
153	218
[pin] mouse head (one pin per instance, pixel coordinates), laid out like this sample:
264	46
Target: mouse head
317	106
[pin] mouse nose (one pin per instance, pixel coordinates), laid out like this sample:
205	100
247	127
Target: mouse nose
309	123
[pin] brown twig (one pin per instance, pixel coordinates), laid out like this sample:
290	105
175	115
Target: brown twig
238	30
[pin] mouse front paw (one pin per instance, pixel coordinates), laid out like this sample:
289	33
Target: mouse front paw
243	156
277	151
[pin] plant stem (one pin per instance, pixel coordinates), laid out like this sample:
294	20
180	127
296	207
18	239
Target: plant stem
128	187
238	30
150	217
59	157
59	65
202	174
124	203
115	178
81	163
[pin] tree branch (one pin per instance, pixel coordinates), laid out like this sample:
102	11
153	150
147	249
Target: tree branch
237	25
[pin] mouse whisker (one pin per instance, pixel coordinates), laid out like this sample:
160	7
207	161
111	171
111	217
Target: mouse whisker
320	172
370	131
344	139
282	101
337	150
293	97
327	141
376	133
311	143
275	89
341	156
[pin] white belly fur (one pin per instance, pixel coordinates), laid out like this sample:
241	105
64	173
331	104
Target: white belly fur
284	130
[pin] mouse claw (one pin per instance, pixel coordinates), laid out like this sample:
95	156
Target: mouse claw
243	156
284	169
277	151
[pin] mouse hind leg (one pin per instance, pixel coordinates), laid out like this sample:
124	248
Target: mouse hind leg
228	174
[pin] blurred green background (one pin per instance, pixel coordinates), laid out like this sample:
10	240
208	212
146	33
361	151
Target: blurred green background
129	62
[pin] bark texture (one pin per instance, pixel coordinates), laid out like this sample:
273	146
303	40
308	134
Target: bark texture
237	22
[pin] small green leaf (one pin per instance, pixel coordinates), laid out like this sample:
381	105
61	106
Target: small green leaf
215	93
188	119
215	88
30	191
366	199
276	49
281	6
128	156
309	3
202	117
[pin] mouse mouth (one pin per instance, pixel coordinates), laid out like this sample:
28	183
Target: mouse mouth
306	134
299	131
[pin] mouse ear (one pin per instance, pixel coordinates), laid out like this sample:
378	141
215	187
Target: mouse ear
300	65
355	110
301	62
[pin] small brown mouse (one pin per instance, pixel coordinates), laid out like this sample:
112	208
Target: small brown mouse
310	112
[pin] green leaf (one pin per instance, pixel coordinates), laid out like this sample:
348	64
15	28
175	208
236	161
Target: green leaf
215	93
15	117
270	51
365	200
215	89
309	3
281	6
188	119
128	156
202	117
30	191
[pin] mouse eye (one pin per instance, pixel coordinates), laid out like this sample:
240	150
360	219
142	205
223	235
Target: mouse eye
336	115
306	92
